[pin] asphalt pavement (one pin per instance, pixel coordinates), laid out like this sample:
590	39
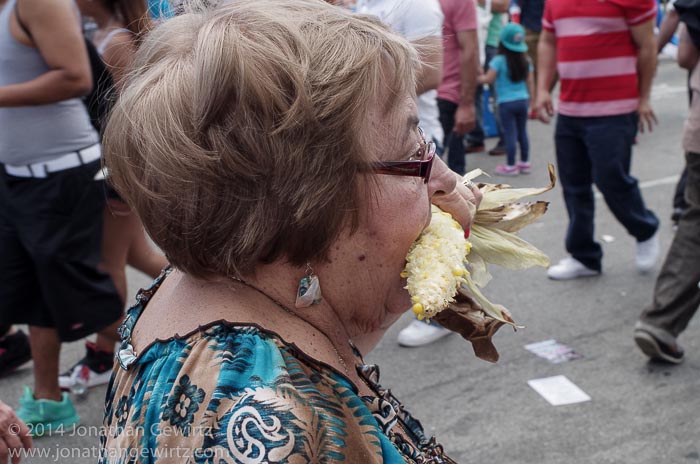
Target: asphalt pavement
639	412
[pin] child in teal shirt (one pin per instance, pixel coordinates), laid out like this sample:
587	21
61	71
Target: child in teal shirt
511	71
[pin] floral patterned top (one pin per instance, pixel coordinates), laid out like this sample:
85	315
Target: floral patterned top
237	393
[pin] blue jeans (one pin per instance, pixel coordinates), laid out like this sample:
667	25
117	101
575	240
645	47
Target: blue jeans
599	150
514	120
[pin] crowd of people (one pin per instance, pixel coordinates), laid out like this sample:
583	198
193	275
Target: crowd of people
65	238
269	158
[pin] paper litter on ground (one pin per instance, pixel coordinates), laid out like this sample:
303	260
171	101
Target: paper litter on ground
553	351
558	390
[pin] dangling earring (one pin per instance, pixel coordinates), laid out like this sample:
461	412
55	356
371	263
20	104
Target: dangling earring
309	291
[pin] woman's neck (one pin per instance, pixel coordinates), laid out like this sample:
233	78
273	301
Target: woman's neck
324	317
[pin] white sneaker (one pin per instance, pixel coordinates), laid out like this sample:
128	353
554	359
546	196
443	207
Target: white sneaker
648	253
570	268
90	378
419	333
94	369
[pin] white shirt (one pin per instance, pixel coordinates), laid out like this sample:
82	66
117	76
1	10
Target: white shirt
413	19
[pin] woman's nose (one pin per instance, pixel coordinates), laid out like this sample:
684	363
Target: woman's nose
442	179
449	194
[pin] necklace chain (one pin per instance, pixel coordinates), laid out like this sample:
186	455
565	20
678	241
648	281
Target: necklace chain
289	311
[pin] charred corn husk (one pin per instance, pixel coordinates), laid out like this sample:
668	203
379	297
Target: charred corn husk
445	271
499	217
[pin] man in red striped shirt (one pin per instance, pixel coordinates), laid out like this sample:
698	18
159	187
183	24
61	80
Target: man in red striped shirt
605	53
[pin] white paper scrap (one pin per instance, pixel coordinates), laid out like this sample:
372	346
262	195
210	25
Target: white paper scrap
553	351
558	390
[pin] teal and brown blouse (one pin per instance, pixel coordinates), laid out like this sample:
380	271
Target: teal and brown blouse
234	393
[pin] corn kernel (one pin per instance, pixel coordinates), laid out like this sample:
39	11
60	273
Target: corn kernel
418	309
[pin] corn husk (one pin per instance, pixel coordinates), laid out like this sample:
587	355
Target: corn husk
458	303
496	195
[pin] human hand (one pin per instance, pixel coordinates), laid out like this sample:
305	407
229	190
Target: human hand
461	201
465	119
646	116
14	435
544	106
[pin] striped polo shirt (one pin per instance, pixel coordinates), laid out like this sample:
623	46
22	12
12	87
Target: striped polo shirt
596	55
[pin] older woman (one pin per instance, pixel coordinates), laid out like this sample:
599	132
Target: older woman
272	151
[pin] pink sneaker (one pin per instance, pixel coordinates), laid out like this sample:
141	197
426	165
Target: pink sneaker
505	170
524	167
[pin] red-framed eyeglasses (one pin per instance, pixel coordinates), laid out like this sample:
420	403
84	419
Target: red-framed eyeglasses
419	167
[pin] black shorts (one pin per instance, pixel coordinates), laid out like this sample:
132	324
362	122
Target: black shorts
50	238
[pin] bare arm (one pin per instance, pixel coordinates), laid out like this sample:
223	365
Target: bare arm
687	51
667	29
643	37
118	57
488	78
56	33
546	68
531	87
430	72
465	118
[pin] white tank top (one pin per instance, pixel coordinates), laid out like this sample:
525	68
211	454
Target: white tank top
34	134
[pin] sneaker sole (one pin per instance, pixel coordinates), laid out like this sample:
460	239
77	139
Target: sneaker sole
577	276
425	341
646	269
95	380
41	429
651	348
506	174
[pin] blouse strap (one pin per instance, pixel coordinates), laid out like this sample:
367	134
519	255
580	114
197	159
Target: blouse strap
126	354
102	47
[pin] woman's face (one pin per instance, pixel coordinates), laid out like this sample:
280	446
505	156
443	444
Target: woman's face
395	212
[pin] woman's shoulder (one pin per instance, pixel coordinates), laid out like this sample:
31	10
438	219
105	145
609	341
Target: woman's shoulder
113	41
107	37
242	350
235	393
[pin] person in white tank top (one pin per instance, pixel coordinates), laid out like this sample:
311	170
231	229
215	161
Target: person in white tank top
51	202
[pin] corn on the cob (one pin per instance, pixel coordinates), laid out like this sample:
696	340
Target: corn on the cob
435	265
437	270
